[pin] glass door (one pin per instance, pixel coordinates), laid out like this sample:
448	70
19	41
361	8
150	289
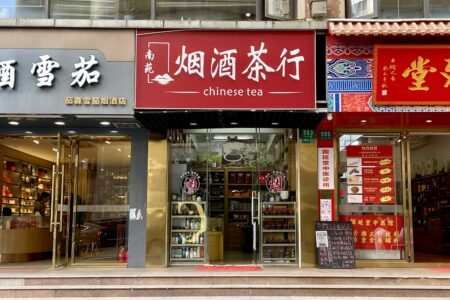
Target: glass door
99	200
274	186
60	201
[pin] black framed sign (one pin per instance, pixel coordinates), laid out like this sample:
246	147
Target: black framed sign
334	244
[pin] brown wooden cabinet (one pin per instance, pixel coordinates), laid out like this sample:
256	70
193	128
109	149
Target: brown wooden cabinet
431	213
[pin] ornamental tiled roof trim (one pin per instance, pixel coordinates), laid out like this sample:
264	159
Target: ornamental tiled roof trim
389	28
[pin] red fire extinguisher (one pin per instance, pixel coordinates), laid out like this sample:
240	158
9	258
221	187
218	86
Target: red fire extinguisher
123	255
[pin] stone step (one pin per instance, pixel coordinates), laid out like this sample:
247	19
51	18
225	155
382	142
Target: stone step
212	280
50	291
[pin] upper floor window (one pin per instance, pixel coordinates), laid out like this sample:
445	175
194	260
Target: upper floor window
234	10
398	9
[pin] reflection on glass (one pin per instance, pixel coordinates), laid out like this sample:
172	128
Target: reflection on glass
439	8
371	194
102	200
401	9
100	9
206	10
32	9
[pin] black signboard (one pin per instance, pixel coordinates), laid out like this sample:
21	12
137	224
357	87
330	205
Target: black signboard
334	244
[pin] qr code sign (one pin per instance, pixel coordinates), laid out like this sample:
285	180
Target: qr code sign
321	239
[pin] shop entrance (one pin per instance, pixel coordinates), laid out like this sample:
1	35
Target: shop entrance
430	195
65	198
233	197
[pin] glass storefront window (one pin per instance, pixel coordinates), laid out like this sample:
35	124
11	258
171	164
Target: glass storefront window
370	168
31	9
232	196
206	10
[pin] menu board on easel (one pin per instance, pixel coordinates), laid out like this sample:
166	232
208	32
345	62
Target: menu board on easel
334	244
370	174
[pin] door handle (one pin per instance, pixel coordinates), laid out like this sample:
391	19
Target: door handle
52	200
62	200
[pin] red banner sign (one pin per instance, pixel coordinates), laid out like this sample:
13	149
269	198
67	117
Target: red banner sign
411	75
225	69
378	232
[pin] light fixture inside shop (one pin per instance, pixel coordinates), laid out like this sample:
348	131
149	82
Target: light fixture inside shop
14	123
108	142
71	132
54	149
234	137
233	123
193	124
274	123
114	131
118	149
60	123
429	121
28	132
36	142
105	123
363	121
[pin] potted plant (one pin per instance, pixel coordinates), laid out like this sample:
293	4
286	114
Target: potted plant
128	9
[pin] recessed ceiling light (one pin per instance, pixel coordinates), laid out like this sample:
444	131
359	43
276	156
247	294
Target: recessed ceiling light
193	124
15	123
105	123
233	123
36	142
108	142
129	156
71	132
114	131
28	132
118	149
429	121
363	121
274	123
59	123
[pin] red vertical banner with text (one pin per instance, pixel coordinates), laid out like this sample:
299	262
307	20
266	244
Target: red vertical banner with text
325	168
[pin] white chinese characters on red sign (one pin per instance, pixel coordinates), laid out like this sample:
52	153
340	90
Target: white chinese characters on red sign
225	70
326	169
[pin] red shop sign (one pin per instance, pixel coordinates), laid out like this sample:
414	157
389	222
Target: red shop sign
411	75
371	151
376	232
225	69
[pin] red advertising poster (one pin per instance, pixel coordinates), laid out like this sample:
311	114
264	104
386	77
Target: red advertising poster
370	174
411	75
225	69
377	232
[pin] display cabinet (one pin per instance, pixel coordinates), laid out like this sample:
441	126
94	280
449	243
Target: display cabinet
188	229
216	194
22	184
278	230
431	213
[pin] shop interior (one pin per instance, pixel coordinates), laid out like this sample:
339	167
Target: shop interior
92	222
223	208
430	188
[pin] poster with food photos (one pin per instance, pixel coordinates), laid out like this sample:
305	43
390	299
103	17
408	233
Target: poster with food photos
370	174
